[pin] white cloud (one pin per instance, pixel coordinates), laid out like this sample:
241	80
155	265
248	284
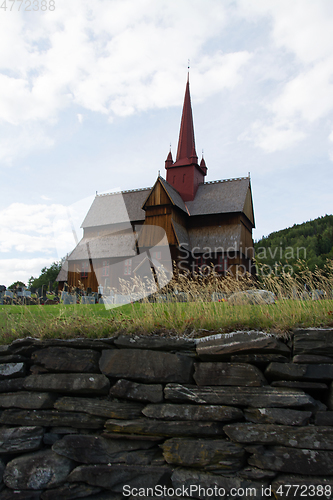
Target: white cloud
28	228
301	30
12	270
109	57
274	137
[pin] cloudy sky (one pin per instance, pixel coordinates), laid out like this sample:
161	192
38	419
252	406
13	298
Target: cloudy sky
91	95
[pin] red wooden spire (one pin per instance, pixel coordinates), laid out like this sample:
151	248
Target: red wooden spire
186	143
185	174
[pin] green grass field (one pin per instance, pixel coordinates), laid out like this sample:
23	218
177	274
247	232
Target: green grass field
191	319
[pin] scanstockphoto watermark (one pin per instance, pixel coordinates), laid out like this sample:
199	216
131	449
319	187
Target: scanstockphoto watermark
209	260
196	491
27	5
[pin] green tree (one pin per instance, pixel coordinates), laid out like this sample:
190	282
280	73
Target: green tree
17	284
47	274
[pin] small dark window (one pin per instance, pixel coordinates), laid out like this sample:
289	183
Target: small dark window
84	269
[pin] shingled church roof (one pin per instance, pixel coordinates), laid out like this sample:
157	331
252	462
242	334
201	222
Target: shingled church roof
116	208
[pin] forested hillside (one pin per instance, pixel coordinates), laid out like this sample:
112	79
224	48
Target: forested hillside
311	241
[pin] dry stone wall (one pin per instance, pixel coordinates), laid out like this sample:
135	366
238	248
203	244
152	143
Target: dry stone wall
239	414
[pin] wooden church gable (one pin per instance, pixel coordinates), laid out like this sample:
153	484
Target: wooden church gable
163	193
248	206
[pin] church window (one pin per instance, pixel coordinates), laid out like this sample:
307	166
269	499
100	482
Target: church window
84	269
105	269
127	267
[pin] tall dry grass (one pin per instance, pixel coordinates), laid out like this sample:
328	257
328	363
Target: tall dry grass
184	306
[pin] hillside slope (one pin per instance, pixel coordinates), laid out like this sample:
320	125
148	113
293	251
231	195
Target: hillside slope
311	241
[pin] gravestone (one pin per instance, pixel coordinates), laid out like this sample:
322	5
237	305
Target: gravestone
44	288
87	300
65	287
50	286
69	299
89	290
56	291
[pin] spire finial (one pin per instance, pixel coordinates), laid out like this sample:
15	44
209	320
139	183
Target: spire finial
188	70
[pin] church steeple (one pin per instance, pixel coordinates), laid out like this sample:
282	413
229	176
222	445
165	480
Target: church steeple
186	142
186	174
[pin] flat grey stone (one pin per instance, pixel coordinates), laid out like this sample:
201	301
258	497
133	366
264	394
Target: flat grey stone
257	397
217	413
324	418
305	386
13	358
293	371
116	476
254	473
7	494
98	450
36	471
209	454
12	370
294	460
240	375
68	491
27	346
310	437
147	426
146	366
217	346
314	341
311	359
100	407
67	359
49	418
28	400
156	343
252	297
11	385
4	350
277	416
259	359
20	439
192	480
78	383
150	393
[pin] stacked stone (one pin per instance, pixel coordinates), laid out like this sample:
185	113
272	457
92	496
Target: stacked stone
85	418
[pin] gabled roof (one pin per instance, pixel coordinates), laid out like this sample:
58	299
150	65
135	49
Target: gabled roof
181	234
116	208
219	197
173	194
100	247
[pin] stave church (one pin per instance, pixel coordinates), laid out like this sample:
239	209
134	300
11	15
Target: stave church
181	219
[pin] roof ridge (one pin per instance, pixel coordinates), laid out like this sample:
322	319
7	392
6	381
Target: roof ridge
122	192
226	180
